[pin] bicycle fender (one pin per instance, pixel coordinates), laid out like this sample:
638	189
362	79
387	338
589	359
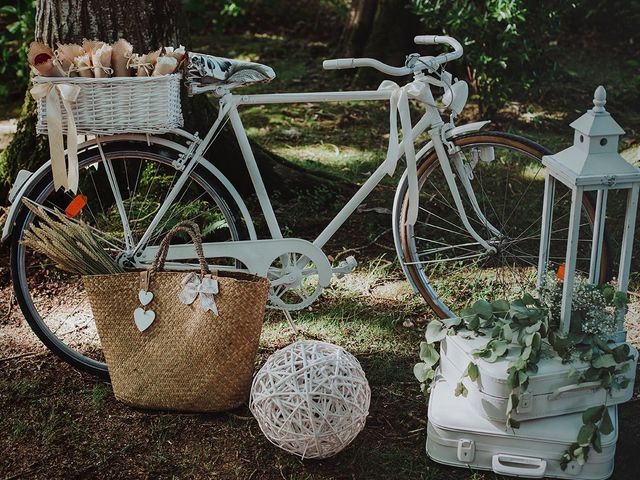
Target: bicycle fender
26	181
397	201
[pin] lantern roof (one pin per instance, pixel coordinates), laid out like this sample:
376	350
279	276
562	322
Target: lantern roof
597	121
593	160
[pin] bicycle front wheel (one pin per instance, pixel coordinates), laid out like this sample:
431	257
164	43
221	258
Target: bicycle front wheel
54	302
447	265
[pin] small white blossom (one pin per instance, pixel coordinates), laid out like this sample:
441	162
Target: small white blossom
589	307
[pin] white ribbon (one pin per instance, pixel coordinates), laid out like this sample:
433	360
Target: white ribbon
399	101
205	287
54	92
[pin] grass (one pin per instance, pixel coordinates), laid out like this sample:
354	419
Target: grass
58	423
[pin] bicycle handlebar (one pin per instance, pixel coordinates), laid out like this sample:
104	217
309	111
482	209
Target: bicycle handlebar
441	40
427	62
344	63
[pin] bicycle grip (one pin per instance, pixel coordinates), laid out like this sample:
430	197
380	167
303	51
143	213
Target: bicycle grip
426	40
338	64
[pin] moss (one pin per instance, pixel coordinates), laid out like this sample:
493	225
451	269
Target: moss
26	150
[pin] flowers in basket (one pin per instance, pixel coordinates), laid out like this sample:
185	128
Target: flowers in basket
95	59
140	95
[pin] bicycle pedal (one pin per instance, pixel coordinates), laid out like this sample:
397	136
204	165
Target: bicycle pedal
346	266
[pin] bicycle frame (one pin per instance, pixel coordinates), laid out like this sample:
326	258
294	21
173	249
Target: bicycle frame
229	104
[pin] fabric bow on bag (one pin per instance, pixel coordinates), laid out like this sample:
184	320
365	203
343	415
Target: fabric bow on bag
400	106
54	93
205	287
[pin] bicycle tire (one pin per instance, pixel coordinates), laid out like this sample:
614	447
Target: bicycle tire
18	273
427	166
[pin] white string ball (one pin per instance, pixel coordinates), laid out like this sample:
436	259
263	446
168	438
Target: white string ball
311	399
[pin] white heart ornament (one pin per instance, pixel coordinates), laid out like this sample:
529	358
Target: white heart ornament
143	318
145	297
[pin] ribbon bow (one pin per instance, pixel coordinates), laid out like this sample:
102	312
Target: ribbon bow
54	92
205	287
400	106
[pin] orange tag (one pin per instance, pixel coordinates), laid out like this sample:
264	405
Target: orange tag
76	206
560	273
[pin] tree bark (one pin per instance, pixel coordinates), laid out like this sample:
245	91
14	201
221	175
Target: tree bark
148	25
380	29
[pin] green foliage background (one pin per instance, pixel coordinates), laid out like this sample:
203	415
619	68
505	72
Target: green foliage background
513	44
17	22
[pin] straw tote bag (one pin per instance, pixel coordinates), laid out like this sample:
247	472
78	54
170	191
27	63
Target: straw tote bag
172	353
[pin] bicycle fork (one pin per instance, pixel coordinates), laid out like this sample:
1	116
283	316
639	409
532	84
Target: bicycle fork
443	158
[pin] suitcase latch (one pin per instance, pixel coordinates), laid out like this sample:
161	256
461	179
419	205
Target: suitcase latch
466	450
526	403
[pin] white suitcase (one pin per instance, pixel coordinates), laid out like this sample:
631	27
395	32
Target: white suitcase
550	392
457	435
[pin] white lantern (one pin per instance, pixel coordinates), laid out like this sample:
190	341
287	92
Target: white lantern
592	163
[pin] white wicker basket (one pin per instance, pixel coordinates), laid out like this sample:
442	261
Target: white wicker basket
120	104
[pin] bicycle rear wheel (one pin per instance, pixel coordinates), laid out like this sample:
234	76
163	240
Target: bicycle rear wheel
54	302
446	264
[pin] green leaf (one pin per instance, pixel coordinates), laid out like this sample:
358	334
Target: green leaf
452	322
496	331
519	309
604	361
513	423
593	414
608	292
523	378
536	342
435	331
597	442
621	353
472	371
601	344
499	347
501	307
512	379
473	323
507	332
423	373
606	426
586	432
512	402
527	299
428	354
533	328
483	309
620	299
461	390
467	313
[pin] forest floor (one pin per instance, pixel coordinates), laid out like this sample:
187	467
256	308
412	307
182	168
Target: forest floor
56	422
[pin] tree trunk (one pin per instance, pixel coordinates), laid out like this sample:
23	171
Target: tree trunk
380	29
148	25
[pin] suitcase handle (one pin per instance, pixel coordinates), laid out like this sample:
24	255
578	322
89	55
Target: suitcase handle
518	466
577	387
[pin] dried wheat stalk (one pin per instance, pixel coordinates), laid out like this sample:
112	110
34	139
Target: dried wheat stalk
69	243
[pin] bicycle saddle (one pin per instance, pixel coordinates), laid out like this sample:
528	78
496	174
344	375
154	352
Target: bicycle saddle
210	70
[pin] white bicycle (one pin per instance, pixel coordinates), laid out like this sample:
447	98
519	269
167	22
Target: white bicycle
466	214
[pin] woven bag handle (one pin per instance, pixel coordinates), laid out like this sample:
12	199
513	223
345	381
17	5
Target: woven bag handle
193	230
